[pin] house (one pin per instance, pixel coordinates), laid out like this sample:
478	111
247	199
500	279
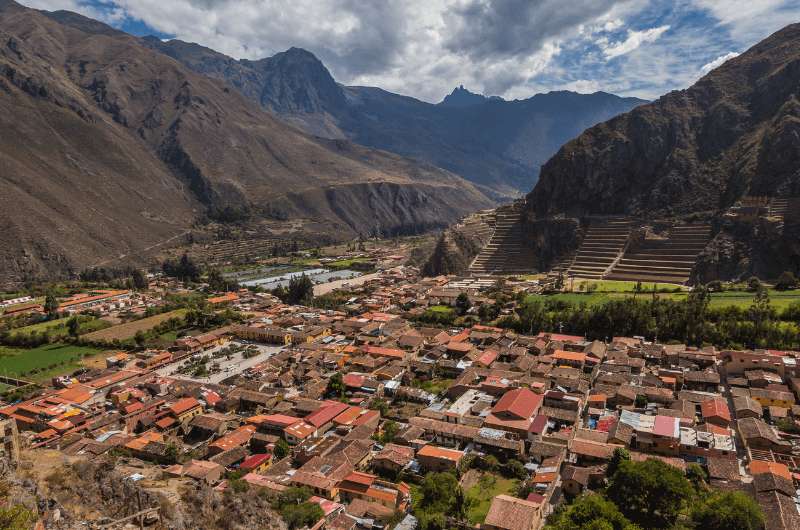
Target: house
256	463
746	407
758	435
237	438
201	470
393	458
511	513
514	411
437	459
716	411
185	408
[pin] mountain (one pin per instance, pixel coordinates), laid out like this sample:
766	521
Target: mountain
461	97
498	145
735	132
110	148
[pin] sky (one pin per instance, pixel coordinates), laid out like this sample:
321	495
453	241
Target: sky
509	48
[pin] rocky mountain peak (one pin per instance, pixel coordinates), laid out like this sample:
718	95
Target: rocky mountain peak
461	97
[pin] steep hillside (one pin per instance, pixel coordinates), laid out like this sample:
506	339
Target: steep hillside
109	147
735	132
499	145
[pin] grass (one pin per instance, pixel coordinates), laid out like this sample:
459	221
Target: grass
47	361
435	386
743	299
440	309
57	329
616	286
484	491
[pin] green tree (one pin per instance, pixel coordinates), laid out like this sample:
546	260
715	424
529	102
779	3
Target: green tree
281	450
300	291
390	430
697	476
336	385
649	493
589	512
51	304
140	338
73	327
463	303
139	280
786	281
620	455
728	510
696	308
753	284
301	515
16	517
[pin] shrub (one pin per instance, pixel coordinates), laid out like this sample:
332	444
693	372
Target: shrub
786	281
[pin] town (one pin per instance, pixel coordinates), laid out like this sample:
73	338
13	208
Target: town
391	400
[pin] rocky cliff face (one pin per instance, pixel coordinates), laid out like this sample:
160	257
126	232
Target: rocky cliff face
735	132
498	145
110	148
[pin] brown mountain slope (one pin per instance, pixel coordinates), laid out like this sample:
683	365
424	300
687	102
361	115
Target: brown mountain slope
735	132
108	147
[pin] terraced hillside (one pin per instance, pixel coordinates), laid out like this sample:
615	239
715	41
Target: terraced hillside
670	259
505	253
602	246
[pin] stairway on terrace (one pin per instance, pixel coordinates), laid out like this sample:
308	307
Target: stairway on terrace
603	244
778	207
668	260
505	252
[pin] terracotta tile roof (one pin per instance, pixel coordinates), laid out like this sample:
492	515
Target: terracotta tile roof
520	402
758	467
716	408
183	405
326	413
236	438
432	451
511	513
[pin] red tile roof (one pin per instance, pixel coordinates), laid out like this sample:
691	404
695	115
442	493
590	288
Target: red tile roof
326	413
183	405
519	402
716	408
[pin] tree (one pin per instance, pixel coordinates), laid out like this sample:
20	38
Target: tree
140	338
300	291
697	476
73	327
786	281
696	307
463	304
16	517
301	515
281	449
641	401
589	512
649	493
516	469
336	385
725	510
215	281
620	454
390	430
753	284
139	280
51	304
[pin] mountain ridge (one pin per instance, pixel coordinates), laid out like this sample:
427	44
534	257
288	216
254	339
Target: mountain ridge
496	144
112	147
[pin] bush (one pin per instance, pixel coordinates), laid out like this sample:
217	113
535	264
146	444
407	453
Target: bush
786	281
753	284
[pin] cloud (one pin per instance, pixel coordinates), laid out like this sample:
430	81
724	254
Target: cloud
510	48
491	28
717	62
632	42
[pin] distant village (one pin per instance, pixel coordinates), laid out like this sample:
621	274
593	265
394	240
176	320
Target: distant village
357	405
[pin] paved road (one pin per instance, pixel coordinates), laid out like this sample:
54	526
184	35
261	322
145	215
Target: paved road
230	368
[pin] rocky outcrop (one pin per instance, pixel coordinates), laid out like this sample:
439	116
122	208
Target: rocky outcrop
734	132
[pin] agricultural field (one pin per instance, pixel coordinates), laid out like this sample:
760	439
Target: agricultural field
44	362
57	329
127	331
743	299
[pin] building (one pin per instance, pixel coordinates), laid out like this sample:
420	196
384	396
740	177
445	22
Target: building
511	513
437	459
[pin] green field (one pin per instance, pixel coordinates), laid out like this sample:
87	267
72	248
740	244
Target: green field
484	491
743	299
57	329
615	286
44	362
440	309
